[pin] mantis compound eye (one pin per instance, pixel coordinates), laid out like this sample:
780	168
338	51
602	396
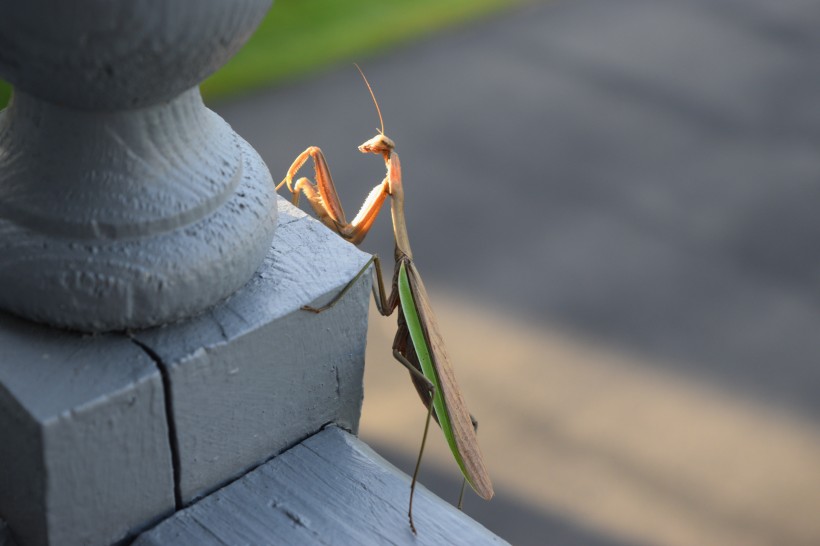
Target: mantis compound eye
386	143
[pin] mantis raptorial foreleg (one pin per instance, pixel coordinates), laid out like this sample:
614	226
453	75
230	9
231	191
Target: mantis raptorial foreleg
325	202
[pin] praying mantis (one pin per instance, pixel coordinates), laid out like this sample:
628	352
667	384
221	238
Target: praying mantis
418	344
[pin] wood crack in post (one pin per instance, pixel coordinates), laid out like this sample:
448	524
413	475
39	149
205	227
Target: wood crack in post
173	439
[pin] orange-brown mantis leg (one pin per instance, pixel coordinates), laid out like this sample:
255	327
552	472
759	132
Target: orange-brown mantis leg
325	202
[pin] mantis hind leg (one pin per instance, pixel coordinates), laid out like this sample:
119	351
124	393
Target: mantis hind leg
432	391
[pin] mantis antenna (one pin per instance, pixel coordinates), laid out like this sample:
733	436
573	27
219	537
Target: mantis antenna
367	83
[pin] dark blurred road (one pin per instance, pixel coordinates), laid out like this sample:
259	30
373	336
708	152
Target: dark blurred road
641	173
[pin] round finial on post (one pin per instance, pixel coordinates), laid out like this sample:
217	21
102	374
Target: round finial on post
124	201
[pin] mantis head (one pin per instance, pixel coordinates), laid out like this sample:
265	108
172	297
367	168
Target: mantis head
379	144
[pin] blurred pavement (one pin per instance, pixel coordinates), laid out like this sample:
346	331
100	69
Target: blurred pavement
613	205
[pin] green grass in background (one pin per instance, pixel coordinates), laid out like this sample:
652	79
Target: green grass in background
5	93
300	36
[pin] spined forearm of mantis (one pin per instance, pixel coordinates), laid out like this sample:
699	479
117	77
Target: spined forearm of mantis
418	344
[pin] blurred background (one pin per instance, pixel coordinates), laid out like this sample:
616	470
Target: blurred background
613	204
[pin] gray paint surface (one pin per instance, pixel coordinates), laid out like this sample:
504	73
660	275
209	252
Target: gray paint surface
198	224
115	54
124	201
85	456
104	434
256	374
330	489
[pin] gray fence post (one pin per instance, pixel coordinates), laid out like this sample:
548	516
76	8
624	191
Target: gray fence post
124	201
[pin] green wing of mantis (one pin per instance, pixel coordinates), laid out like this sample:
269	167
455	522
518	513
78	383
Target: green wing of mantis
451	411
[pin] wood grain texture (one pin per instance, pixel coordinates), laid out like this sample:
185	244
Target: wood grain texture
256	374
84	452
124	202
115	54
330	489
115	220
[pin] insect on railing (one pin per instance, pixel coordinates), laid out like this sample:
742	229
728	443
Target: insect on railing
418	345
